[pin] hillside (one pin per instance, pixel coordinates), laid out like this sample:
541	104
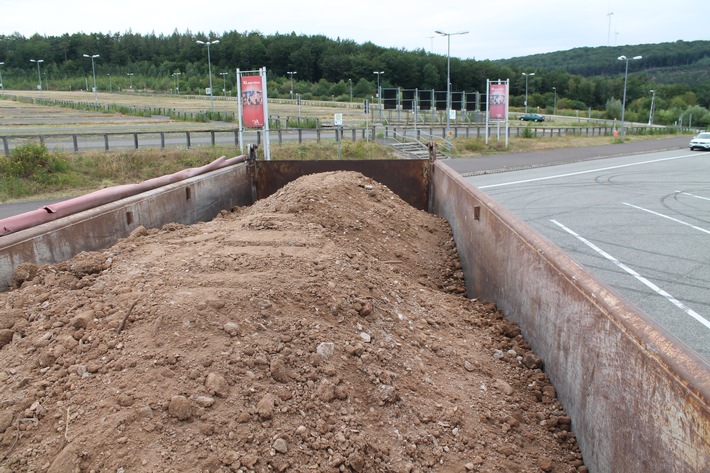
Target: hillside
679	62
341	70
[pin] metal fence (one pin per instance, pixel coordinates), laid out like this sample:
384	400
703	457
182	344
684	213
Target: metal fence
76	142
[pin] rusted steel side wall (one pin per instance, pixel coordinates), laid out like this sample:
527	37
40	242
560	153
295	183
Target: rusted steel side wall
409	179
192	200
638	401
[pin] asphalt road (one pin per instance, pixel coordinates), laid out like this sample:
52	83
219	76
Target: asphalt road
8	210
638	220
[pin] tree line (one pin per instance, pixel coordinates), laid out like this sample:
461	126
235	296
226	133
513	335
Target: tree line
338	69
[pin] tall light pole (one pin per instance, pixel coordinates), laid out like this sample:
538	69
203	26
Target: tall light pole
526	88
130	75
626	75
608	34
176	75
431	40
224	83
351	89
379	95
653	101
39	75
93	70
2	87
554	104
448	73
291	74
209	66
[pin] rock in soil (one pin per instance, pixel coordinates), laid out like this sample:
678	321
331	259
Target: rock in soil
322	329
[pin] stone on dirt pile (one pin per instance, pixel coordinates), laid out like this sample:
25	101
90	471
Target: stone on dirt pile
325	328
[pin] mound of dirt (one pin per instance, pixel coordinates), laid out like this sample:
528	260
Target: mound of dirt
322	329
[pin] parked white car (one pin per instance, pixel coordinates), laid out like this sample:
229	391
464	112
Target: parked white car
701	141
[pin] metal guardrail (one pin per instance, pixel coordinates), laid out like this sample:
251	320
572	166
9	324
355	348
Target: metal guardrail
230	136
445	145
185	139
418	138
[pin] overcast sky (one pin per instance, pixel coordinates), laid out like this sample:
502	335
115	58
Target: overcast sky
496	29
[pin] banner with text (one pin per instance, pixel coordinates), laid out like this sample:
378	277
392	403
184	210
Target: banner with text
252	101
498	98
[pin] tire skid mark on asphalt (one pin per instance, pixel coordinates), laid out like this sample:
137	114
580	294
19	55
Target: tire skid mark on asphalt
692	195
669	218
586	172
636	275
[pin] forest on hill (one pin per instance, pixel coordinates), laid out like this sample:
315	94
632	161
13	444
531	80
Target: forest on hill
599	61
675	76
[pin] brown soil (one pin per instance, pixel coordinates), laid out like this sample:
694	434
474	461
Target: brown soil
322	329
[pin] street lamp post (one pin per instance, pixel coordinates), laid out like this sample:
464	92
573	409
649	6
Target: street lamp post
224	83
653	101
448	74
379	95
623	103
209	67
526	88
176	75
130	75
39	75
93	70
291	74
554	104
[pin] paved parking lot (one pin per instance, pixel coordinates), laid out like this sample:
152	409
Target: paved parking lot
641	223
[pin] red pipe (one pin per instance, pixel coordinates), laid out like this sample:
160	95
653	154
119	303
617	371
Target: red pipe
104	196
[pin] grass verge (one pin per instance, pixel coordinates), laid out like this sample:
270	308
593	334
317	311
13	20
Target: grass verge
32	172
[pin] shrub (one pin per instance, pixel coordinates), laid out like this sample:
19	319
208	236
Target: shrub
31	161
613	109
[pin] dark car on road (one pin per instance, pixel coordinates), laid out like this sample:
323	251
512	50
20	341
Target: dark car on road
532	117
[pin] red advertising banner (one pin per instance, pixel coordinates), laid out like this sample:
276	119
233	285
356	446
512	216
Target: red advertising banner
252	101
498	99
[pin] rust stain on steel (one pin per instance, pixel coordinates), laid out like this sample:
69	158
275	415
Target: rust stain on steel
409	179
638	398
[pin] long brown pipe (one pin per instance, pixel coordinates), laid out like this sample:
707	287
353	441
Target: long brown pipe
110	194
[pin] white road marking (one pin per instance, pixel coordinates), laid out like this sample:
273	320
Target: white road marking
586	172
640	278
669	218
692	195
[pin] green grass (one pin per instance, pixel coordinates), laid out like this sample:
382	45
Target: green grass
32	172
